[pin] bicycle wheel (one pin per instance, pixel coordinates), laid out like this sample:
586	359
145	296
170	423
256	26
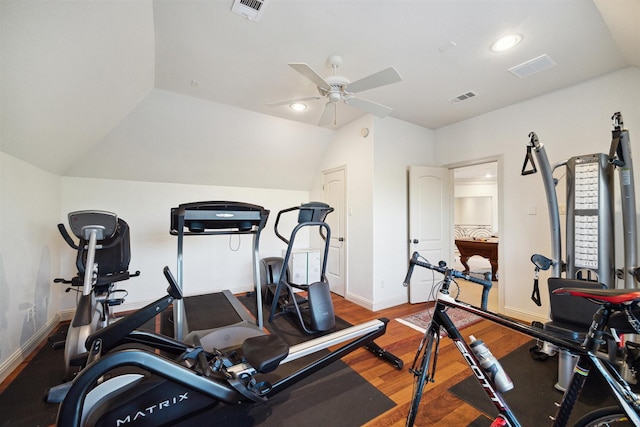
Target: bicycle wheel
609	416
420	375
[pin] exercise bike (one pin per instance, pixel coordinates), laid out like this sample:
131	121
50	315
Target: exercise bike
165	381
102	259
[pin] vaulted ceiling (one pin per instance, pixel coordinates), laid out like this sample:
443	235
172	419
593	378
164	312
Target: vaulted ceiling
169	80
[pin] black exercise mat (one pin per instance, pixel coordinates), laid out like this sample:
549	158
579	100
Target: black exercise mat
22	403
334	396
533	398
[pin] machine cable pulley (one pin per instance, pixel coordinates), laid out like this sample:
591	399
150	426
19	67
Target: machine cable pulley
541	263
533	140
616	155
535	295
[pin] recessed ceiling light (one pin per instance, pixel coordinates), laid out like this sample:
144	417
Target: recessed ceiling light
298	106
506	42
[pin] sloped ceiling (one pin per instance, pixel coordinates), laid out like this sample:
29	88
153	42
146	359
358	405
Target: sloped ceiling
177	90
71	72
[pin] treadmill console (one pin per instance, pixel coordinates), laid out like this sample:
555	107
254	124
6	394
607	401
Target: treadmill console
217	218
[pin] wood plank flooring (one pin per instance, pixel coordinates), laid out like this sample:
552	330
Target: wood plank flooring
444	409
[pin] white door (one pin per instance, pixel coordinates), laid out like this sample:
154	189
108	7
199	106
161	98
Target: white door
334	195
429	229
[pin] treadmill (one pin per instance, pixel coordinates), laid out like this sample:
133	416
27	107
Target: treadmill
218	218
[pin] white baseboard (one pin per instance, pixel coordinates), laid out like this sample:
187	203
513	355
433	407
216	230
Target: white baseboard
389	302
524	316
66	315
376	305
12	363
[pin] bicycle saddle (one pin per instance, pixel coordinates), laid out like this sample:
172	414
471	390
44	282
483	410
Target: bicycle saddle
619	320
611	296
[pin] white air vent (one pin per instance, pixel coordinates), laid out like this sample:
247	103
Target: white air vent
464	96
250	9
533	66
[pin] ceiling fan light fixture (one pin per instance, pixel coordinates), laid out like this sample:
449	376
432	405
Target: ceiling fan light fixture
506	42
298	106
336	88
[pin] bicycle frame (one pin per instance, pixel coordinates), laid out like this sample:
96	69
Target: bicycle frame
588	356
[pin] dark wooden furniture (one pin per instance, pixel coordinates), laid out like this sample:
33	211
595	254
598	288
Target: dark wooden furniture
486	248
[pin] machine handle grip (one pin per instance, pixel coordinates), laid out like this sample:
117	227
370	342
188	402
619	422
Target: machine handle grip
412	263
67	238
449	273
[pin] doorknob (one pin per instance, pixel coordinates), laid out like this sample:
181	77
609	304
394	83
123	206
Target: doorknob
340	239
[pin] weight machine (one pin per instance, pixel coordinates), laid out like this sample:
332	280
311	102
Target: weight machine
590	228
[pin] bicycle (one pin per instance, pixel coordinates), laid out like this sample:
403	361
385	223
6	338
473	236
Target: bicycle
617	309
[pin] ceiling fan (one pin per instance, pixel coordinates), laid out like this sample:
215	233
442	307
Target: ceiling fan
338	88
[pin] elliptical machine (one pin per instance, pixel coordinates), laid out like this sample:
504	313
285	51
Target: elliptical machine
315	312
103	256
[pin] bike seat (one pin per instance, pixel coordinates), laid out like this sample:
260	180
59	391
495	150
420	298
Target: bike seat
611	296
265	352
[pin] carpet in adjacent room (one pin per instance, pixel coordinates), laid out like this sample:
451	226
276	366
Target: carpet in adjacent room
420	321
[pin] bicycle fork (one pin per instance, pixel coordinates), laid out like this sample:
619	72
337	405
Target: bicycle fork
428	352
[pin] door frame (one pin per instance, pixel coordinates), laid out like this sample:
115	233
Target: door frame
499	160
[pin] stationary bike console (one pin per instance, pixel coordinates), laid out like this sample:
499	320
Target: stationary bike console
83	222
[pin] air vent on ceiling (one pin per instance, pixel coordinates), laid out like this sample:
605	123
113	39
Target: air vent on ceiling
464	96
533	66
250	9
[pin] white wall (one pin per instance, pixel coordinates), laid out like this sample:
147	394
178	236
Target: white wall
569	122
29	252
376	180
481	190
211	263
397	146
349	148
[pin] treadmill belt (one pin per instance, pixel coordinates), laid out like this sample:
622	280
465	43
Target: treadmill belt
209	311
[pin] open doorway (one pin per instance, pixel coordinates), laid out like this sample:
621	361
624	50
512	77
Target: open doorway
476	227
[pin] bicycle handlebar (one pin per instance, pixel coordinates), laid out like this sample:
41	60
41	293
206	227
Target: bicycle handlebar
448	274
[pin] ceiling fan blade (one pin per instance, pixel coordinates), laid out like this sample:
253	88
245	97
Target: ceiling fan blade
310	73
291	101
381	78
328	115
369	106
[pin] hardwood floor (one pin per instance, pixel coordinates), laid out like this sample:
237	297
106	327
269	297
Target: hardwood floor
444	409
